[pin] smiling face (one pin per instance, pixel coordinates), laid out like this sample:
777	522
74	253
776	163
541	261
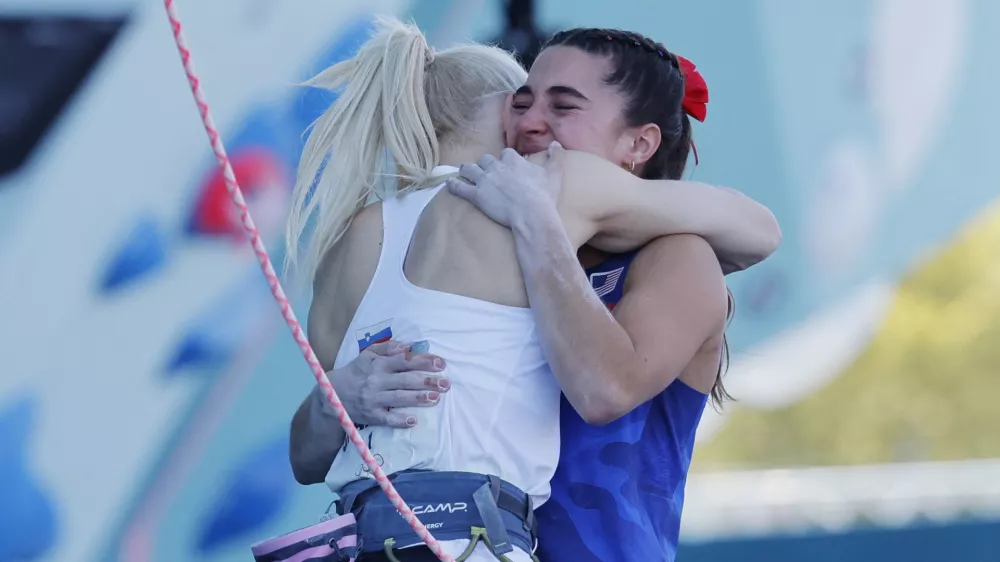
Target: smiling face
613	93
566	99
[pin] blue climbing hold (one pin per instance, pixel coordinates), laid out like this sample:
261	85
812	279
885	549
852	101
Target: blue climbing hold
28	518
257	490
216	334
196	350
143	252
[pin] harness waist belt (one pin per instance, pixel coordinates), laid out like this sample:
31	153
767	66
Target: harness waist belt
449	504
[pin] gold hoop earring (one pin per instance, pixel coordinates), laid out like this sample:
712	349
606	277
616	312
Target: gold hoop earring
631	167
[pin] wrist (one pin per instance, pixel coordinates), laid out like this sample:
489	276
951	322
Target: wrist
536	221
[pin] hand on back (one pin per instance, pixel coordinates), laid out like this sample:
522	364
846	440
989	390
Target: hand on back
386	376
506	190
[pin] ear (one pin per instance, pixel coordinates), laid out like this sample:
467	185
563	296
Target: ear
506	119
645	142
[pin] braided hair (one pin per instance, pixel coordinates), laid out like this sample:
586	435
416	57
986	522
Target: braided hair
650	78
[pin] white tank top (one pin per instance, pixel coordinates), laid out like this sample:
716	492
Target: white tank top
501	416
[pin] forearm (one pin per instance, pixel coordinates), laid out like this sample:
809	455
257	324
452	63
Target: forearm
741	231
589	353
316	437
619	212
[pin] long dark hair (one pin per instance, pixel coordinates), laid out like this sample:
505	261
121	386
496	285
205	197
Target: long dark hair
650	79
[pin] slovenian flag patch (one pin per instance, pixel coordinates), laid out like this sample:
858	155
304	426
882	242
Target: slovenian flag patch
376	333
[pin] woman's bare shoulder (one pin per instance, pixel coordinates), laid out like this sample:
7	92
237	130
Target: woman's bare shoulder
352	260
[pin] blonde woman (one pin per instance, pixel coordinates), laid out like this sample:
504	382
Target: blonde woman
423	265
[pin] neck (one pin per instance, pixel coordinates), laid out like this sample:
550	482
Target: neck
458	155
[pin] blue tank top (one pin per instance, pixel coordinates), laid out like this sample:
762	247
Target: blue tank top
618	490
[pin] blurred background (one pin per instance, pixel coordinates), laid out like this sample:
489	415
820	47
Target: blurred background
147	380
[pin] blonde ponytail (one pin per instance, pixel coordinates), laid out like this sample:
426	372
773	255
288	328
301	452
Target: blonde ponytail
381	106
396	97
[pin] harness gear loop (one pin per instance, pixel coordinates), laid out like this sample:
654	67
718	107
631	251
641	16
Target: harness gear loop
477	534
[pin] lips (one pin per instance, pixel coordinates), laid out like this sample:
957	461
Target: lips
531	147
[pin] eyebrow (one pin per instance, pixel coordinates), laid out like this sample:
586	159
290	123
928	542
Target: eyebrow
567	91
555	91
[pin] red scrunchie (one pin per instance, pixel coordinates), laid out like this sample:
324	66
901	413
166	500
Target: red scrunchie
695	90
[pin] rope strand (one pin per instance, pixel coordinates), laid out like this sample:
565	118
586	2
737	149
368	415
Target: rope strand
279	294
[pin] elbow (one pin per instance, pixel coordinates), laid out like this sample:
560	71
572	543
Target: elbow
300	470
772	238
301	476
304	472
604	406
601	415
763	245
770	234
768	238
306	478
306	468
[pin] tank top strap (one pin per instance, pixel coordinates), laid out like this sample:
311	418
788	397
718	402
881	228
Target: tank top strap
400	216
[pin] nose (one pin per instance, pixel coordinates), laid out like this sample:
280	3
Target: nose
532	122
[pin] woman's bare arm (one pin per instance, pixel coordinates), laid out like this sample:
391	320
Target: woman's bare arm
620	212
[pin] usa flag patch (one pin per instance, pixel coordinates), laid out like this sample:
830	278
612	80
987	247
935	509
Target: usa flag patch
376	333
605	282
